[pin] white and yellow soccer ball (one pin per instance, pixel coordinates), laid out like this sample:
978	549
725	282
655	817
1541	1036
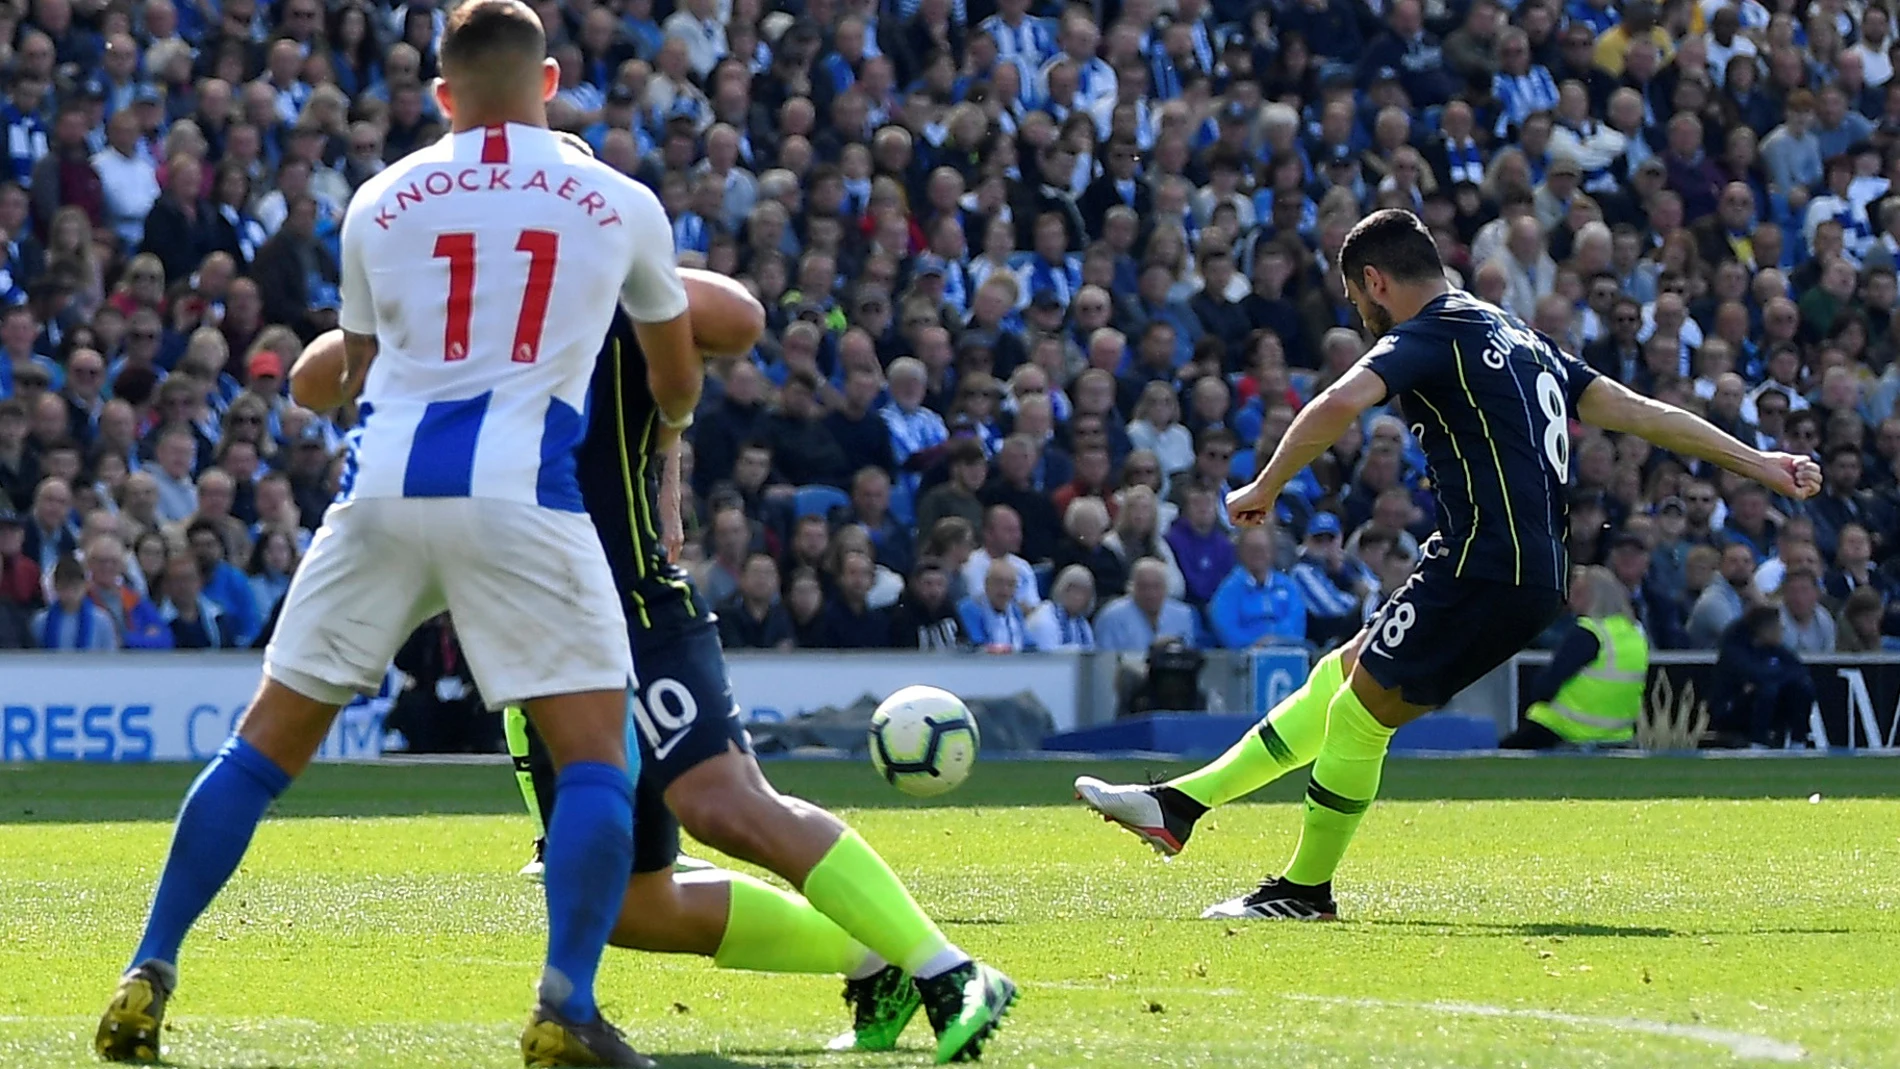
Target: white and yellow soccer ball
923	741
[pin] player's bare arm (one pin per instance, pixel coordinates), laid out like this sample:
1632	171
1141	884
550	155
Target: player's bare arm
1314	430
725	319
1615	407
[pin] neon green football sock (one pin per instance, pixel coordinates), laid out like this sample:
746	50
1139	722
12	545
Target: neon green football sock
514	724
1287	738
853	886
1345	781
769	930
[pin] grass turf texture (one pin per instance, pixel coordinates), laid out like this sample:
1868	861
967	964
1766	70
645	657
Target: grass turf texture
1546	913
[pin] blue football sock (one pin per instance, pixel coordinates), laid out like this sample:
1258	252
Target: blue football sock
214	829
589	854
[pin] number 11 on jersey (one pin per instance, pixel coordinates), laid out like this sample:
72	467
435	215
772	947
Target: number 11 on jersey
542	247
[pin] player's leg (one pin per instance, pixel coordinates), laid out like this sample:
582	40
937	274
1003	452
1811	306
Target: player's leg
310	672
1286	739
1416	657
534	777
540	622
727	803
700	754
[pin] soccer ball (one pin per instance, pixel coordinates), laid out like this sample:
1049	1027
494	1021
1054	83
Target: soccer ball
923	741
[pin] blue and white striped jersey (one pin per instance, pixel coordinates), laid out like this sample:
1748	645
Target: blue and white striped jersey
487	267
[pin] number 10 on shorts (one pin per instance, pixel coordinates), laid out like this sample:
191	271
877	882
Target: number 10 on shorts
665	716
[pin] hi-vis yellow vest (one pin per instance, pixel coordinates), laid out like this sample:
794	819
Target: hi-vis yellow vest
1601	703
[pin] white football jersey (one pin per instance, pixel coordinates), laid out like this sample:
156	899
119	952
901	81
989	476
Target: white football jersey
487	266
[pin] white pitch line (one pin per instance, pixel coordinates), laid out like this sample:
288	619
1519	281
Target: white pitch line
1741	1044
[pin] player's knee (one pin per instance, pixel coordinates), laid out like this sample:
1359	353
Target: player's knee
737	819
650	914
586	726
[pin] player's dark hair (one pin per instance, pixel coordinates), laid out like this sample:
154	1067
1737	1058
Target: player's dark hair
1396	243
484	31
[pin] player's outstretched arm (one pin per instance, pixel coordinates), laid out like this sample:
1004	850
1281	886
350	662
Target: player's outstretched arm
1320	424
316	379
1614	407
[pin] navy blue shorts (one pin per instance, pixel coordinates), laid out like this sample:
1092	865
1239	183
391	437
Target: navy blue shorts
683	715
1439	634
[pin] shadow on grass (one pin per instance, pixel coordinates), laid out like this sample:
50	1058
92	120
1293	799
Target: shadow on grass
85	793
786	1058
1492	929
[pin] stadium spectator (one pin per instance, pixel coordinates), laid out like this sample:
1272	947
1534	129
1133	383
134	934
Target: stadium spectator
175	456
925	618
1727	596
1203	551
849	622
1255	604
50	534
1651	606
753	617
1014	488
1085	527
730	536
1761	694
1806	627
194	618
1131	623
272	561
1002	538
1137	535
992	616
1157	428
221	581
1333	584
135	619
71	621
1062	622
1857	627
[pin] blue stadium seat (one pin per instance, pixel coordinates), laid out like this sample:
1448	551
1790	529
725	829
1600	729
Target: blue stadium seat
818	499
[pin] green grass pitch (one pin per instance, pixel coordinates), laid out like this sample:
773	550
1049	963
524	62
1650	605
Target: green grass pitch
1541	913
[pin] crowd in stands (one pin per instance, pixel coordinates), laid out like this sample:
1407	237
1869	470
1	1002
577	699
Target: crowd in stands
1043	283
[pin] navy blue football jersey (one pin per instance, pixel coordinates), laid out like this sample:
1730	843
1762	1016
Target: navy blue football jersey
1491	402
620	487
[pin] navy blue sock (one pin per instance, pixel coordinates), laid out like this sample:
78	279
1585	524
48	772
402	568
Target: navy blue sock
214	828
589	854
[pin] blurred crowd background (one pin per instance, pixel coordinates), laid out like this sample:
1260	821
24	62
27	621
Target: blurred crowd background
1044	282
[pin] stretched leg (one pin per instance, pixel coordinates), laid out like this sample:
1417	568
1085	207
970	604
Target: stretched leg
726	803
1346	775
736	920
1286	739
514	725
590	840
275	741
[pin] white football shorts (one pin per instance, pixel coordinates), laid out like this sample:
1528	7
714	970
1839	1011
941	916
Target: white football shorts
528	589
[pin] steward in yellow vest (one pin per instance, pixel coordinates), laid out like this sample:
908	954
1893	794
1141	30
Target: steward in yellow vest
1592	692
